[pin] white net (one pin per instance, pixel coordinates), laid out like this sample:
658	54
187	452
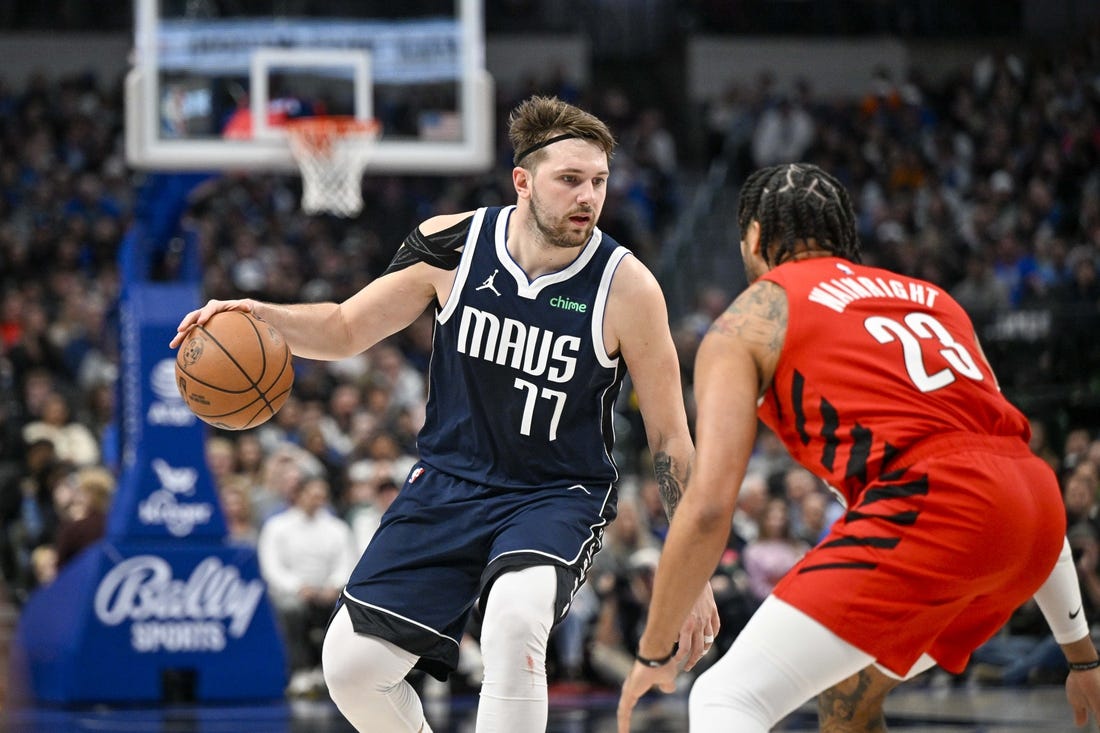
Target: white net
332	153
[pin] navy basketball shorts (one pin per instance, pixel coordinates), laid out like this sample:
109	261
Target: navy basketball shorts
443	542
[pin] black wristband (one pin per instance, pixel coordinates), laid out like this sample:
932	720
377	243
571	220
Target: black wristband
663	660
1084	666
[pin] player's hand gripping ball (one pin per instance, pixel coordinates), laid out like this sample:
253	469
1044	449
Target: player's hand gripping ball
234	371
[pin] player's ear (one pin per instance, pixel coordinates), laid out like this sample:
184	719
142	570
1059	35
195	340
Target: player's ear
521	179
752	237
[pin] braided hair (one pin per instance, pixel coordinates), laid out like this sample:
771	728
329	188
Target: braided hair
798	201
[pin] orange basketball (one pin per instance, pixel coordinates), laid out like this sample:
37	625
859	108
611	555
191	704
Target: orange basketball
234	371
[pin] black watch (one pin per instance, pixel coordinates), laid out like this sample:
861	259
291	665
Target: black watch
663	660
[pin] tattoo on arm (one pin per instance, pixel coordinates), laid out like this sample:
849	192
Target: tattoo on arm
669	484
758	318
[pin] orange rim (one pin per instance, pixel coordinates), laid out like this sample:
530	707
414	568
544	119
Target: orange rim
316	134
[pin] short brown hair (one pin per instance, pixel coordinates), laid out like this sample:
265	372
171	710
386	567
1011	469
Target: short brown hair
538	119
99	485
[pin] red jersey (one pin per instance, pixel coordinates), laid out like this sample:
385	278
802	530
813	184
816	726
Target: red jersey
874	362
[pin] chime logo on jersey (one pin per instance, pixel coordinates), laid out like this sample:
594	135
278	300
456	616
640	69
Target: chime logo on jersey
568	305
509	342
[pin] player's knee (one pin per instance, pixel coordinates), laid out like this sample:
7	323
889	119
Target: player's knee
519	613
522	601
355	664
346	675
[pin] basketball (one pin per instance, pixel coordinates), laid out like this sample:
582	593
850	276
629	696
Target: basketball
234	371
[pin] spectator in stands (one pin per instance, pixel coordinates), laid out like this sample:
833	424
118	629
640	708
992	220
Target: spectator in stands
752	501
653	149
783	133
798	483
980	293
618	575
652	511
774	552
284	470
1075	447
44	566
306	554
1082	501
34	350
29	514
284	427
621	618
221	458
1092	454
73	441
372	487
240	528
815	517
86	521
769	457
338	422
1040	443
332	463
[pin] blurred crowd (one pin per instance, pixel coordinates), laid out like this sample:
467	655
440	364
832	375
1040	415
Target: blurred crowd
986	183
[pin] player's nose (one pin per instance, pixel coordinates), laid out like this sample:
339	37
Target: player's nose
586	195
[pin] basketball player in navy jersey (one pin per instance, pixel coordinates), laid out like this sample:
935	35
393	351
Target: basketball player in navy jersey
538	315
875	382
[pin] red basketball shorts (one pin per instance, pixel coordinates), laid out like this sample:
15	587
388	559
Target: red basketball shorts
935	558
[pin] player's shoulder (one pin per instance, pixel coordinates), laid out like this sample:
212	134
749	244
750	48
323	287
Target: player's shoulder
635	291
445	222
437	241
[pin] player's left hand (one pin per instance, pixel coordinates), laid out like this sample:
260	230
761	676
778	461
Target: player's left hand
700	628
638	682
1082	691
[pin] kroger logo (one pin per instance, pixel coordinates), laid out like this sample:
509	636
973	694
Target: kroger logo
168	407
163	507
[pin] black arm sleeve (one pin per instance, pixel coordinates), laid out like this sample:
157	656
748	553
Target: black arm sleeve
442	249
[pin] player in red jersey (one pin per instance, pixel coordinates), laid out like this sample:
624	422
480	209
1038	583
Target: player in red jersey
876	382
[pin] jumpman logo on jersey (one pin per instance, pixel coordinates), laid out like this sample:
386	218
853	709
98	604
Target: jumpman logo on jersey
489	283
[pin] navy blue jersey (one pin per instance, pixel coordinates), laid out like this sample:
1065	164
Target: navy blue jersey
521	388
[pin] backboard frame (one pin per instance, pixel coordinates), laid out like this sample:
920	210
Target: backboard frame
268	149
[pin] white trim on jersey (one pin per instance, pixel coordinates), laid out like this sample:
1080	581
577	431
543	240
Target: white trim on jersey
463	267
600	306
531	289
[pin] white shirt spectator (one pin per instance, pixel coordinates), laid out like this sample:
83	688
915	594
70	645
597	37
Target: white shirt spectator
306	548
783	135
72	441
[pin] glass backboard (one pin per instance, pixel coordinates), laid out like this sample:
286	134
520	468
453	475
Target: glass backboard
213	81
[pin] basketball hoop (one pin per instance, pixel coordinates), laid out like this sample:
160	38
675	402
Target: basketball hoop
332	152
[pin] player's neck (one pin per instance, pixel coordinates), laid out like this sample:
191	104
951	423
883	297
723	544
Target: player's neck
808	254
535	255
